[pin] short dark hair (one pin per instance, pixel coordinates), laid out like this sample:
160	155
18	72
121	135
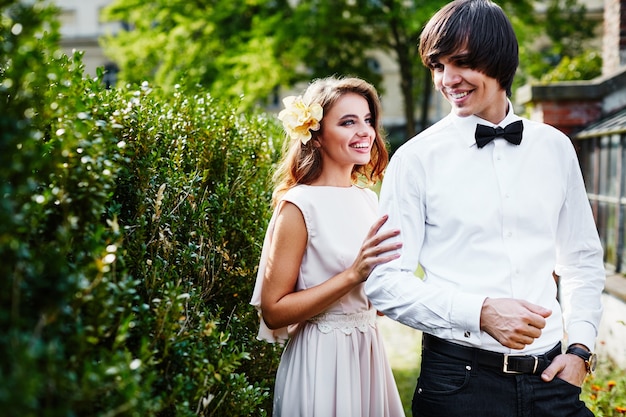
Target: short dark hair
479	28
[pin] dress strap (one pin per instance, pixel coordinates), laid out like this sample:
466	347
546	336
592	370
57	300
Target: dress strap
362	320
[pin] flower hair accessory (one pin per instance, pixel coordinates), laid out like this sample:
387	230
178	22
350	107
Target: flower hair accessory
300	118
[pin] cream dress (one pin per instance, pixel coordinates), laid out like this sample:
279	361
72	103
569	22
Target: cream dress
334	364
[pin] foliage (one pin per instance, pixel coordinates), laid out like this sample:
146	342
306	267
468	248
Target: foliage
555	46
333	38
227	47
406	380
395	28
65	312
581	67
252	49
605	391
257	47
194	233
130	226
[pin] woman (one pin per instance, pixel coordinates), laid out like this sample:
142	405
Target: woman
320	246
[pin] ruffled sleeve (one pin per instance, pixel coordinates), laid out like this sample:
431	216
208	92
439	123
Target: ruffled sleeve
265	333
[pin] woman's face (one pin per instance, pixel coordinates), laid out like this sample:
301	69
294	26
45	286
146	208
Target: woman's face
347	132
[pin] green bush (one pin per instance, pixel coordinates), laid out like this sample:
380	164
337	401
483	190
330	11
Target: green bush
196	199
130	229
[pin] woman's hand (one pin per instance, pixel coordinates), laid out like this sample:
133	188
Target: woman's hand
377	249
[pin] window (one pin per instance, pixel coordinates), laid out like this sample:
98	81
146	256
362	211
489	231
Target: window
602	153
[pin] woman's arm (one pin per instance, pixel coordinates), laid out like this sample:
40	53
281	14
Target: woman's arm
281	305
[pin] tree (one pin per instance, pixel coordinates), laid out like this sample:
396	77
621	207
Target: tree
254	48
222	45
555	44
397	26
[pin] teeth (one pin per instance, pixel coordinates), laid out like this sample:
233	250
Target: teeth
360	145
459	95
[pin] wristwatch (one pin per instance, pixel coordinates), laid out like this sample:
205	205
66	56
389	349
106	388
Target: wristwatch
589	357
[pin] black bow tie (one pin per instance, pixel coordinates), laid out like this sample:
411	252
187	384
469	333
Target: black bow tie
512	133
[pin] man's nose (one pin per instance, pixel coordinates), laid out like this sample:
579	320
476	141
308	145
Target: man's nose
451	76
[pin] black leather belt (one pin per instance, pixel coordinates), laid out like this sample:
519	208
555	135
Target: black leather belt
511	363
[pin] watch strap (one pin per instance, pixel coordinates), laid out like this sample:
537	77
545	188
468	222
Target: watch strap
585	355
580	352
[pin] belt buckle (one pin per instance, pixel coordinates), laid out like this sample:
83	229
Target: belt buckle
505	366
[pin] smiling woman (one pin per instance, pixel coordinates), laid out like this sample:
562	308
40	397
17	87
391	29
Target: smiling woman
321	245
346	140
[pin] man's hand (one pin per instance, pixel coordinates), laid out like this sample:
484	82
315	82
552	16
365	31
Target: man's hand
569	368
513	323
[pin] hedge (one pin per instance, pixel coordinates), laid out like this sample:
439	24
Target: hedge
130	230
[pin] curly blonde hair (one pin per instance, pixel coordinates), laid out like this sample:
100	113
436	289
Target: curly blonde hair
302	163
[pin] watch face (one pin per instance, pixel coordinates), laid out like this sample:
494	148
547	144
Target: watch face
593	360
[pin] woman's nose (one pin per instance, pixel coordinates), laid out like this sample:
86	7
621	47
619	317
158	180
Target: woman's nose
364	129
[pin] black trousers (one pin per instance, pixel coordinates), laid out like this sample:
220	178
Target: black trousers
451	387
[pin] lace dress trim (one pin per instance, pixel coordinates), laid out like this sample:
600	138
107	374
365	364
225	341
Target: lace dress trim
346	323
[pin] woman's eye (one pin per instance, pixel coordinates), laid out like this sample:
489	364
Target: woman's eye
347	122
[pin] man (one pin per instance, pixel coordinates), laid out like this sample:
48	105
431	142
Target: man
490	205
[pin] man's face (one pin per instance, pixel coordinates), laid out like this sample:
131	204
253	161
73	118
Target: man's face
469	91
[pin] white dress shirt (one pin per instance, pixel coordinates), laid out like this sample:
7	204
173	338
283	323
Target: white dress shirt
490	222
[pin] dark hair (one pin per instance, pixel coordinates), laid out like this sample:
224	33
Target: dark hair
482	30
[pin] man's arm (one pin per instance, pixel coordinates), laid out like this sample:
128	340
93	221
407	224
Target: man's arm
580	267
394	289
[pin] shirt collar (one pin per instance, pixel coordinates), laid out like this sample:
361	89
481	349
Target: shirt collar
468	124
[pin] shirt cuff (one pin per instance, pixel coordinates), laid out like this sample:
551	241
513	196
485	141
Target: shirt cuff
583	333
465	317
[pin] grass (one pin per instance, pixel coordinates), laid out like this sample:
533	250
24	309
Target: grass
406	379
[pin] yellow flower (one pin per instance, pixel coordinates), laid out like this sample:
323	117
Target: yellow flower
300	118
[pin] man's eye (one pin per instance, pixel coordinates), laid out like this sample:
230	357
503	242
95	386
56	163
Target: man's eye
435	66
